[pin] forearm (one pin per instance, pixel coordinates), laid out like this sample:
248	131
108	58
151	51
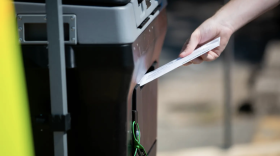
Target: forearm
237	13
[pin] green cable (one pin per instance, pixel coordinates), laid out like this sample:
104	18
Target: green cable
137	144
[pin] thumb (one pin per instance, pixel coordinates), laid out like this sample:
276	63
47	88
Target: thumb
192	44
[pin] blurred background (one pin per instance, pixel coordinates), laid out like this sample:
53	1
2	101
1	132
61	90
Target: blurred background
192	99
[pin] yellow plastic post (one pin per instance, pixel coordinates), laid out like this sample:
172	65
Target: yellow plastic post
15	126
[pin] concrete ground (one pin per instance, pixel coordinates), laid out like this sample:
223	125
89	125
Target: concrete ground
191	107
268	149
265	142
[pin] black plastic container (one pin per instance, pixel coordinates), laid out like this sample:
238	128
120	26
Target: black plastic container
102	93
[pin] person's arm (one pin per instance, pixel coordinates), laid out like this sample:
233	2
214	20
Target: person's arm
224	23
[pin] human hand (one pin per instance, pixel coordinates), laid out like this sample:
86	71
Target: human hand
207	31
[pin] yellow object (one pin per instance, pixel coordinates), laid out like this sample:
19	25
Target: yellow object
15	126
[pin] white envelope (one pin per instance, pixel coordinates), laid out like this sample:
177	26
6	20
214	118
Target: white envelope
179	62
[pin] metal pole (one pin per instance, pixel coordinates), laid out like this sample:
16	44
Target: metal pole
228	61
57	70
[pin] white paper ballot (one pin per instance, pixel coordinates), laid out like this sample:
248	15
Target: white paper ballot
179	62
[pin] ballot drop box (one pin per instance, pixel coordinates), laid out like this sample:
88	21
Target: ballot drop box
109	46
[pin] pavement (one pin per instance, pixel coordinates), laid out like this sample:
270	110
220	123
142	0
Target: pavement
268	149
265	142
190	111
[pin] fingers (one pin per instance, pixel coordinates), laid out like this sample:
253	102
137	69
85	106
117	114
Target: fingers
197	60
189	63
185	45
192	44
209	56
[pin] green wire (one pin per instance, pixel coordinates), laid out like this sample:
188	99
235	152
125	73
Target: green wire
137	140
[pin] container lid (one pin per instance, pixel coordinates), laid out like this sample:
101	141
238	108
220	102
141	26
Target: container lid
85	2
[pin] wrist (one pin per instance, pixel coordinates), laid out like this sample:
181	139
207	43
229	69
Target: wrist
224	21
